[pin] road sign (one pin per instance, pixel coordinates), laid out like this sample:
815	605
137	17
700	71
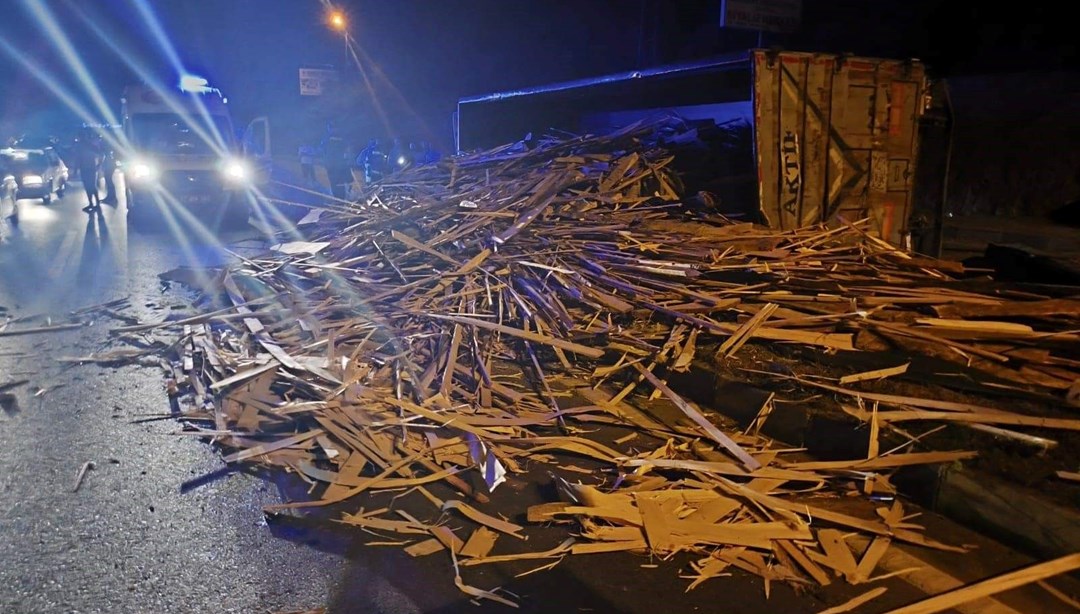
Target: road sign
317	81
767	15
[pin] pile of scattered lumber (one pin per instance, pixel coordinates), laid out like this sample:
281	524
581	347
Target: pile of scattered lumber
462	324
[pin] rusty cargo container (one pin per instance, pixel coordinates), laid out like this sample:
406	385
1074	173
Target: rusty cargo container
833	137
836	138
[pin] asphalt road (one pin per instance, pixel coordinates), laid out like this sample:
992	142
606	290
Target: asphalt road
147	530
160	524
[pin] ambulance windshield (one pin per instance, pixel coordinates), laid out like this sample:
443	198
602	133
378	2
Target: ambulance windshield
174	134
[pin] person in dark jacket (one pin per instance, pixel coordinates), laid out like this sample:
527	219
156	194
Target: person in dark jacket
372	160
108	169
398	156
88	161
335	151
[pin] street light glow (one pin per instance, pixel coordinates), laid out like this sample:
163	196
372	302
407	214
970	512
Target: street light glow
337	20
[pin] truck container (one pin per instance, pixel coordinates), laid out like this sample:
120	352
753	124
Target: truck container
828	137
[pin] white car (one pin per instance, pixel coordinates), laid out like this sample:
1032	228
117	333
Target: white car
38	173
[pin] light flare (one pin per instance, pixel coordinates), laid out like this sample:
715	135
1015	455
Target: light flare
48	22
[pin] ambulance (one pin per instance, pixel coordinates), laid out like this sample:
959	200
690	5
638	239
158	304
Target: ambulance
182	158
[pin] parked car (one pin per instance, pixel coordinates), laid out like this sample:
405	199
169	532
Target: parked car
9	207
38	173
64	150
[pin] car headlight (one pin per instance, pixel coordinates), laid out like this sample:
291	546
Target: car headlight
32	180
143	171
236	171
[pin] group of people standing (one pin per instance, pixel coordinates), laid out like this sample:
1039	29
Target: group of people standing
375	161
94	159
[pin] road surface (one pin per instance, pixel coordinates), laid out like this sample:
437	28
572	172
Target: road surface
145	531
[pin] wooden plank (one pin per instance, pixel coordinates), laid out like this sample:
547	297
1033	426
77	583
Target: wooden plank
855	602
424	548
524	334
876	374
992	586
725	442
477	516
1003	309
480	543
839	556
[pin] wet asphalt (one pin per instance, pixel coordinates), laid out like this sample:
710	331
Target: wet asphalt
157	524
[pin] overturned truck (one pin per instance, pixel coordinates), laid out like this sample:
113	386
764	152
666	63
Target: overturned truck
817	137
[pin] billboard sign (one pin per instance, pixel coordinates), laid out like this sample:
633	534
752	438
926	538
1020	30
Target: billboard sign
762	15
317	81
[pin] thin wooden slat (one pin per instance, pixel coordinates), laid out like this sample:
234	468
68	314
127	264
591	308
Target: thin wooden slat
992	586
726	442
855	602
524	334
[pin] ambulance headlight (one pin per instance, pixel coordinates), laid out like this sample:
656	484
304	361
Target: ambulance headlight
143	170
236	171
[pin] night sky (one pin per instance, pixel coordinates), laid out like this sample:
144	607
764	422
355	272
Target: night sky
420	56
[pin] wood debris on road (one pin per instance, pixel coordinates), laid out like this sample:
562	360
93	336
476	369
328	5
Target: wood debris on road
466	322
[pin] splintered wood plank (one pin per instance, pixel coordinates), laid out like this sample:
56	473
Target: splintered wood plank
869	561
726	442
855	602
875	374
446	537
804	562
709	568
424	548
524	334
883	462
992	586
1049	307
480	543
985	417
351	468
746	331
655	523
1068	475
475	515
267	448
838	554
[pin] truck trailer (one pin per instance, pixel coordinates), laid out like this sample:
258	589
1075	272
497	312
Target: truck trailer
827	137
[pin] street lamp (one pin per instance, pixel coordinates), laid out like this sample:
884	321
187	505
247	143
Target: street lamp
338	22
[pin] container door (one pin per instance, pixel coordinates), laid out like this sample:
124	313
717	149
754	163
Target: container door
836	139
256	146
257	139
